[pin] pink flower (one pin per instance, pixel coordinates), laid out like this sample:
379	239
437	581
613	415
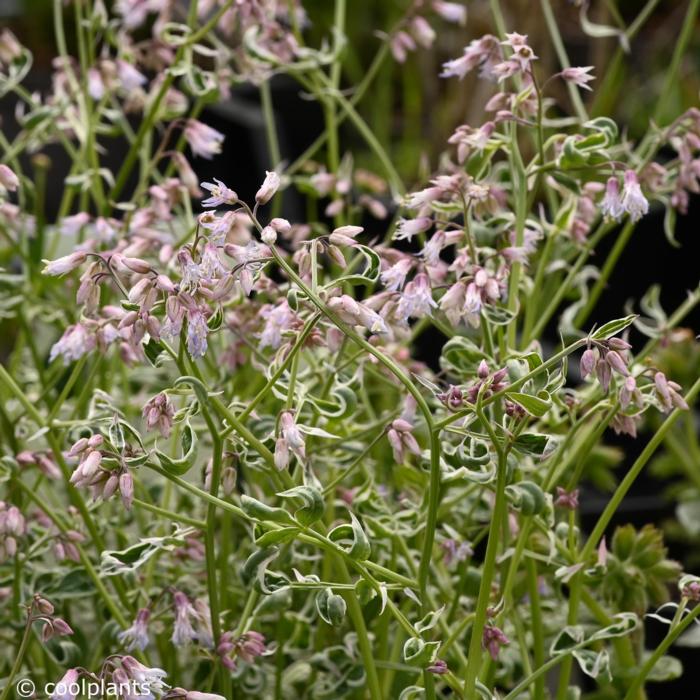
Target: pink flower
493	640
289	440
422	31
8	179
159	412
202	139
578	76
197	331
66	264
401	438
632	200
71	225
185	614
220	194
611	205
417	299
75	342
450	11
484	53
566	499
66	688
136	636
129	77
407	228
394	277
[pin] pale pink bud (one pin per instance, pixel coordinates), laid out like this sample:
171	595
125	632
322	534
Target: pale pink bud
8	179
66	264
268	188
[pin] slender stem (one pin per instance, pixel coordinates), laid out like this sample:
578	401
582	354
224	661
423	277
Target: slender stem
560	49
610	263
671	78
489	567
20	656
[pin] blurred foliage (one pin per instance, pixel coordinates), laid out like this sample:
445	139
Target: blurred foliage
415	110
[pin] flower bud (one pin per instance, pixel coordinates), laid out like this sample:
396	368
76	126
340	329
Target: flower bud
269	235
268	188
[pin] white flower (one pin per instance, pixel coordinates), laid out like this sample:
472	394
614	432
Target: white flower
633	201
611	205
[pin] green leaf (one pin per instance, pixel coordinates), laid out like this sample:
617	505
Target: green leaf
255	571
114	562
667	668
314	505
188	450
153	350
370	274
593	663
527	497
331	607
279	536
360	549
531	443
623	624
532	404
417	652
612	328
567	639
216	320
429	621
257	510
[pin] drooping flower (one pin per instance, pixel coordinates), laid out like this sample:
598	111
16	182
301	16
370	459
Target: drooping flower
8	179
197	331
394	277
401	438
66	687
136	636
289	440
202	139
183	629
611	206
247	647
159	412
493	640
416	299
633	201
450	11
75	342
129	76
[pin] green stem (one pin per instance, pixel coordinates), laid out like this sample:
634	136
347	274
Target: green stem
560	49
671	78
489	567
610	263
